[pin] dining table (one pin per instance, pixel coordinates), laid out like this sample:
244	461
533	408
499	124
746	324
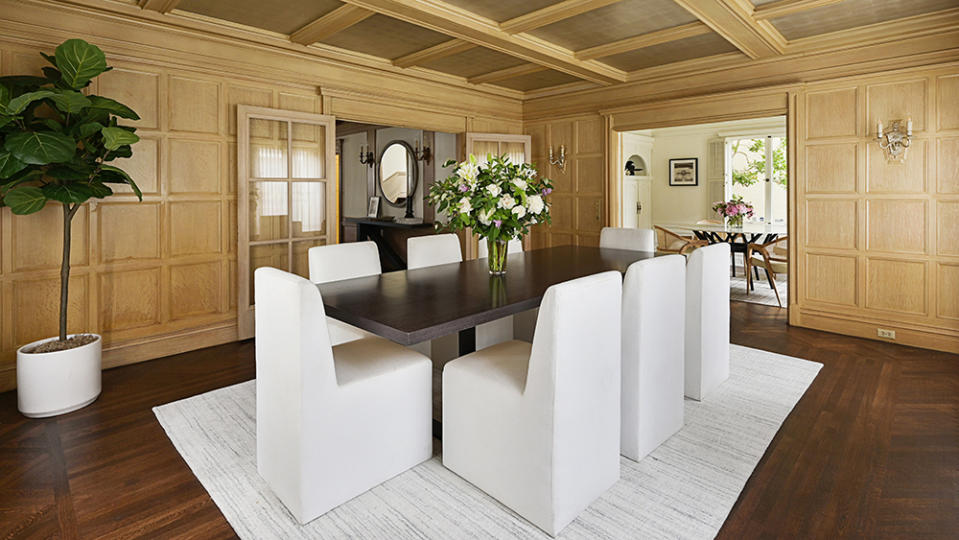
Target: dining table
737	236
412	306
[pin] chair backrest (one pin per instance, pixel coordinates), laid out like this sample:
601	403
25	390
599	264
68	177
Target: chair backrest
574	368
628	238
707	302
423	251
294	374
654	300
343	261
514	246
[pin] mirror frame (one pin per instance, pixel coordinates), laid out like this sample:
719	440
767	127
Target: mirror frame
412	178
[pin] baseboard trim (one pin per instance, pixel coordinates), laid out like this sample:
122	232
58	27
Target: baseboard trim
838	324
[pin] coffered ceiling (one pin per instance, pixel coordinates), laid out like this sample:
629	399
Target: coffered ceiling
536	45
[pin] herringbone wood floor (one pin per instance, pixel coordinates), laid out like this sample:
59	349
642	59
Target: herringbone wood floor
871	451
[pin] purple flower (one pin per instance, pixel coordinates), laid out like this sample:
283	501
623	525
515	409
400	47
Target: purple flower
547	191
464	188
497	222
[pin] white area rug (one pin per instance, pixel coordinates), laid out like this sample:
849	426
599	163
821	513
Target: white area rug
684	489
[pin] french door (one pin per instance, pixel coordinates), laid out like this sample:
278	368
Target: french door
286	195
758	173
515	147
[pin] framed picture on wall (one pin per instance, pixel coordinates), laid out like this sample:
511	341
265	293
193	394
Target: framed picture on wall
374	209
684	172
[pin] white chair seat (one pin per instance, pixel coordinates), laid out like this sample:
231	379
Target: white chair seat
340	332
367	358
503	365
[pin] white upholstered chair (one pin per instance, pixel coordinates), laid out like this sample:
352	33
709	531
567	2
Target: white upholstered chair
707	319
628	238
537	425
654	292
331	422
432	250
335	262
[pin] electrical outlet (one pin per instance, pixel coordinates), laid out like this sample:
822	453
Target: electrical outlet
883	333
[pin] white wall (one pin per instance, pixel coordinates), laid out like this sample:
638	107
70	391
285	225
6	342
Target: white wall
354	177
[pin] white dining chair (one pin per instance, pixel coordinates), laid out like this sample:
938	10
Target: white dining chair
506	328
707	320
628	238
335	262
654	293
536	426
432	250
331	422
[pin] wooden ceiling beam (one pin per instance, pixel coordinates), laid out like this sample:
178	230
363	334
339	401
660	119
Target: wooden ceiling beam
665	35
732	19
551	14
447	48
508	73
456	22
788	7
162	6
335	21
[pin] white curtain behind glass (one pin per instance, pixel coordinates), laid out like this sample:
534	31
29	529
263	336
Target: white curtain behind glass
309	205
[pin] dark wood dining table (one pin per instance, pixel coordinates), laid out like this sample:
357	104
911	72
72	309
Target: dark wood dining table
412	306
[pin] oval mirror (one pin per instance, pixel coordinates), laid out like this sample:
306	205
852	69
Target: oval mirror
397	172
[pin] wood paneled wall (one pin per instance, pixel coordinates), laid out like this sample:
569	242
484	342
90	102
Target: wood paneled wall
878	242
579	201
158	277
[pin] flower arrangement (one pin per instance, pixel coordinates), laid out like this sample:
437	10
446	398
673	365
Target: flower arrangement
500	200
734	210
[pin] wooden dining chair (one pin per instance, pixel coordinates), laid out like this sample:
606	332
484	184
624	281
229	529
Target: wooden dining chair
776	262
670	242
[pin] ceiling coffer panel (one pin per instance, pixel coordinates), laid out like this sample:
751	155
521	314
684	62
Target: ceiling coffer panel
501	10
614	22
853	13
283	17
672	51
535	81
385	37
473	62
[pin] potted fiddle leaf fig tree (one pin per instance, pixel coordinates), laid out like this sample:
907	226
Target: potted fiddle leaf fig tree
56	146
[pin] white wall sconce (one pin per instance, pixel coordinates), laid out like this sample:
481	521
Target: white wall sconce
561	162
367	158
894	141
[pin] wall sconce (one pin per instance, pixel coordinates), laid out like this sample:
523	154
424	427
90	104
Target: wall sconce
894	141
367	158
422	155
561	162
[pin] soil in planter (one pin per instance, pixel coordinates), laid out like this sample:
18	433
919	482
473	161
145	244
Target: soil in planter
57	345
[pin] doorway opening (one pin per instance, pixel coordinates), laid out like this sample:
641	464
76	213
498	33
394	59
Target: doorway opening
718	182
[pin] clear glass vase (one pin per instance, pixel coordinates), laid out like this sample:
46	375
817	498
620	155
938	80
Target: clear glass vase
497	256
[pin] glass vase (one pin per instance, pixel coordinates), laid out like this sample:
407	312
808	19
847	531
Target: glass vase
497	256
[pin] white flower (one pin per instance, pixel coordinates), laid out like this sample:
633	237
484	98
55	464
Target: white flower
465	206
536	204
519	210
507	202
528	171
520	183
468	171
486	216
494	190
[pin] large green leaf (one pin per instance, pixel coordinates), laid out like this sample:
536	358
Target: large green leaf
9	165
72	173
70	192
115	137
114	175
25	200
100	191
79	62
21	102
41	147
113	107
4	97
85	130
23	81
70	101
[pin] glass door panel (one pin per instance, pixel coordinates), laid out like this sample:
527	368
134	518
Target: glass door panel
269	148
309	209
301	261
268	211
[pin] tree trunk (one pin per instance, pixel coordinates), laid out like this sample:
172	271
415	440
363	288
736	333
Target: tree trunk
65	270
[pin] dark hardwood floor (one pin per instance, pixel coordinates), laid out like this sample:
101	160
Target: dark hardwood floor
871	450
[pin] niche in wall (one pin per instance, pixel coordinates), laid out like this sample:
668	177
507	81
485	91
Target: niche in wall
636	166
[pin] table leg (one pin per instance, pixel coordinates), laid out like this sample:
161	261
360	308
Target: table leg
467	340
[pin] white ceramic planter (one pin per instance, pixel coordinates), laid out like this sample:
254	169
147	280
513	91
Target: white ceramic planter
58	382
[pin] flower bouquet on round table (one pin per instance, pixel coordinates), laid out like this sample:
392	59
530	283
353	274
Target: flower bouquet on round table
499	199
734	210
